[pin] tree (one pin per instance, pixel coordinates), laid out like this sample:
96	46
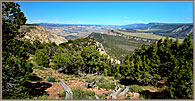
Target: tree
166	59
12	19
180	81
61	58
15	65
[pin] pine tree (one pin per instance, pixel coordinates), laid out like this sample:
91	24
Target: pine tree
180	81
16	69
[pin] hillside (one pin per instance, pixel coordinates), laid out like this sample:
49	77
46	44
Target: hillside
176	30
33	32
117	46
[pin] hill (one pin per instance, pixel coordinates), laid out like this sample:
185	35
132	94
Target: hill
117	46
34	31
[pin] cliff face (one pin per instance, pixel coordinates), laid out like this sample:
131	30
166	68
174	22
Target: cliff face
33	32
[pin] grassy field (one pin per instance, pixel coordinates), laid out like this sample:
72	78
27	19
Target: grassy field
145	35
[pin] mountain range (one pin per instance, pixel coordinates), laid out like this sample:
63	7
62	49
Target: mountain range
175	30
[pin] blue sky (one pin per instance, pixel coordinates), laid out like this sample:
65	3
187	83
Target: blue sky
107	13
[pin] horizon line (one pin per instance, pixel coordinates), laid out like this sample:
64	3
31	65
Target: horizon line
113	24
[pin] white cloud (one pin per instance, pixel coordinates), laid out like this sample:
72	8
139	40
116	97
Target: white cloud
188	18
131	22
45	21
125	17
73	21
36	21
57	21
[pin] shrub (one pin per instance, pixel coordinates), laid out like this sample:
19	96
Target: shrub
107	85
42	58
135	88
102	79
79	93
42	97
51	79
38	67
90	80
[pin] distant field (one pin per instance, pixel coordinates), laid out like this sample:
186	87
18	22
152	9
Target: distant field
148	30
145	35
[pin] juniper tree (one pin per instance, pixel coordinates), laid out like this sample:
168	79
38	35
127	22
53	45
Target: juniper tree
15	66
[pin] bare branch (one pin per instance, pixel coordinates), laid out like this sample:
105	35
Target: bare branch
115	94
124	92
97	97
90	97
69	94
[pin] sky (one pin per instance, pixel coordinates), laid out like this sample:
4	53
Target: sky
107	13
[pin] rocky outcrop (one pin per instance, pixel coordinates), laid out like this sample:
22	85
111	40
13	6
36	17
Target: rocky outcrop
33	32
102	51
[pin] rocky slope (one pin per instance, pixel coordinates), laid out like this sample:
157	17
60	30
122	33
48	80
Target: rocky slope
102	51
33	32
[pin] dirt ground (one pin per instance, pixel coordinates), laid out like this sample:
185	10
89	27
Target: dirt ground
73	82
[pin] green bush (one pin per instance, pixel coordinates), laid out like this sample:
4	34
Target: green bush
135	88
79	93
51	79
42	58
42	97
106	85
90	80
102	79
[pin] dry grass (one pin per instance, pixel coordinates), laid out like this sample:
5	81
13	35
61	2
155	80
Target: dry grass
153	89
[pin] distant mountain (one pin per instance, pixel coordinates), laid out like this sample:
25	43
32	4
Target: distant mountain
62	25
34	31
166	26
179	30
134	26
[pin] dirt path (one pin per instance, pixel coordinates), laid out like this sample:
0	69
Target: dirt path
54	90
